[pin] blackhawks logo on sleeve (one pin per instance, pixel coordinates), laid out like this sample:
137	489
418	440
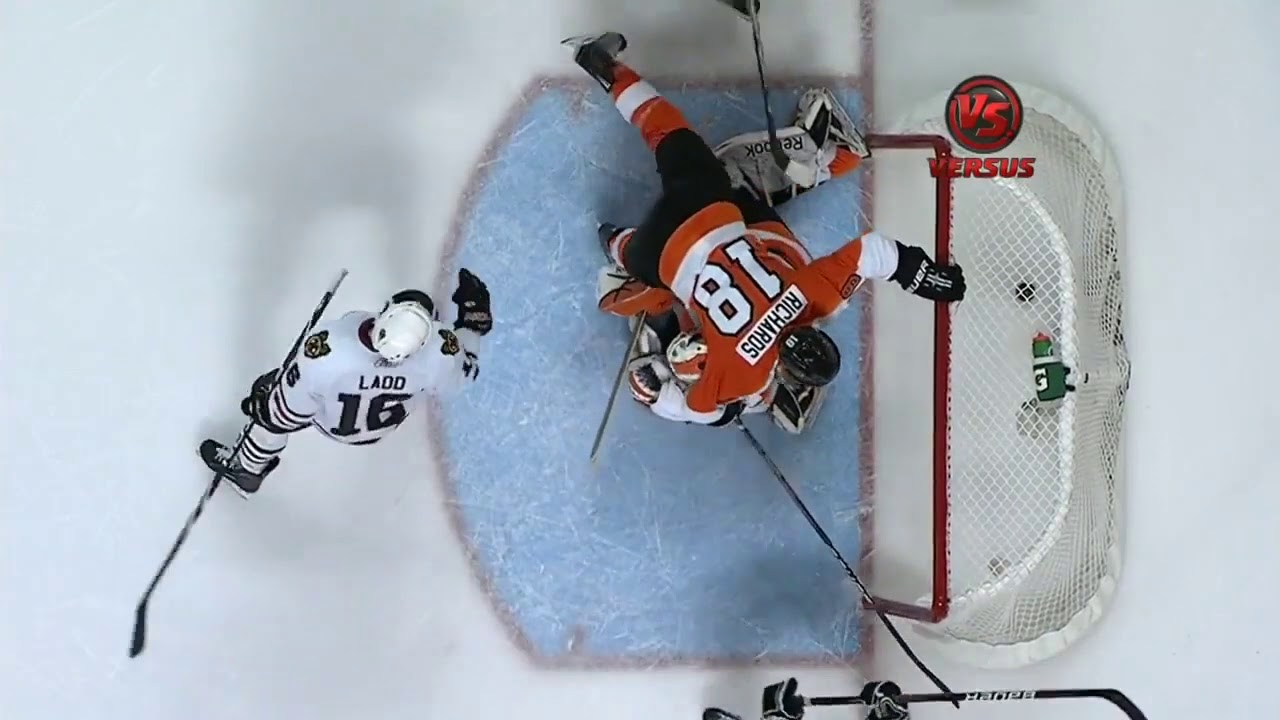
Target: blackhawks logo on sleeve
317	345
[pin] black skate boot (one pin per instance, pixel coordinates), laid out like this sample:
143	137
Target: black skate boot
597	54
718	714
219	459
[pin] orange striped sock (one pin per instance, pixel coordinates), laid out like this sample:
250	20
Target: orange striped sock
641	105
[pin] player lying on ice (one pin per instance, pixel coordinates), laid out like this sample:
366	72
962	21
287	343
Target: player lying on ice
730	293
358	377
782	701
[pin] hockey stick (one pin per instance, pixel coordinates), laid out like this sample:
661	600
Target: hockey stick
617	383
140	615
826	540
1115	697
802	174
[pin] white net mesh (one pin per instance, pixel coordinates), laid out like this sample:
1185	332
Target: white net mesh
1033	535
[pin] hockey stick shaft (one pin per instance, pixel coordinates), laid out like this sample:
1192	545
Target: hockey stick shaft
775	147
798	172
1115	697
617	383
139	640
848	569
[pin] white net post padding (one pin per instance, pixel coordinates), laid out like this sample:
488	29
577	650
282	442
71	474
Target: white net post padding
1032	537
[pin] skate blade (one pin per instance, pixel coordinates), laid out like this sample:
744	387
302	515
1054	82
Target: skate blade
578	41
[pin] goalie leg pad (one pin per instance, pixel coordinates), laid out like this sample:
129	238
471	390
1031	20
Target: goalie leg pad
796	407
823	118
620	294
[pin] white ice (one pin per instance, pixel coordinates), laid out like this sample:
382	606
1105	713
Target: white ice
179	180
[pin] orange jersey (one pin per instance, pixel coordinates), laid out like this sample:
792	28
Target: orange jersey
744	286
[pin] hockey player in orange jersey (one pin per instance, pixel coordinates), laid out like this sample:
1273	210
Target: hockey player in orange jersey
721	258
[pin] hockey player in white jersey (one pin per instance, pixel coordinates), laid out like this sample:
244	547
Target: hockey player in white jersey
357	378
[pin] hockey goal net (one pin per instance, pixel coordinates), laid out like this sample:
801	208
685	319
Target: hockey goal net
1025	517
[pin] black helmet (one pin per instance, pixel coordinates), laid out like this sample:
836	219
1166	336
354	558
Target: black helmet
809	356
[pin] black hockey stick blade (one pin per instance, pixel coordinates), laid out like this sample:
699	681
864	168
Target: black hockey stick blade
741	7
139	639
1115	697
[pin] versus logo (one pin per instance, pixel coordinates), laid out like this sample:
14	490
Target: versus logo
984	116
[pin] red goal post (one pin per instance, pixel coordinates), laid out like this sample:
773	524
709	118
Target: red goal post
1026	513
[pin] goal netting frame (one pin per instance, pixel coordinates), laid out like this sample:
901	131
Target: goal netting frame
1026	496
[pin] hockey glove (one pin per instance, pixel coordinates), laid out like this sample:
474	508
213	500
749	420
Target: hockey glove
919	275
472	299
882	698
782	702
256	406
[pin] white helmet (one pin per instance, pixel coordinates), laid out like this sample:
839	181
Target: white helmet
687	356
403	326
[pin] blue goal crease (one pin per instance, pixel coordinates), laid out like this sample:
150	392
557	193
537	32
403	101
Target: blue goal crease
680	544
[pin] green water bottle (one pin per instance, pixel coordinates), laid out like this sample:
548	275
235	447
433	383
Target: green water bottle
1049	372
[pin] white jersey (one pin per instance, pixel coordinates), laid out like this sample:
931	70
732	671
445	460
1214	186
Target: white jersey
340	385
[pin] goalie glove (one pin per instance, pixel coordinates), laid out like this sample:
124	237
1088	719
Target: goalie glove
882	699
647	374
919	275
647	371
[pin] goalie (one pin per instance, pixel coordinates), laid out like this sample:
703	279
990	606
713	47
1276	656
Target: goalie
731	297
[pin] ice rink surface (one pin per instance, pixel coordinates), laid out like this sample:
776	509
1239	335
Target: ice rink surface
180	180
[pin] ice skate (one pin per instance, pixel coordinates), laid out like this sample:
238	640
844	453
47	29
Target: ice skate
597	54
220	459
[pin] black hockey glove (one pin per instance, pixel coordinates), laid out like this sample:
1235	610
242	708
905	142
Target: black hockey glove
919	275
472	299
782	702
256	404
882	698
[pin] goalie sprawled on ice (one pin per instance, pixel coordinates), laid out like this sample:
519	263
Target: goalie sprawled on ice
730	297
